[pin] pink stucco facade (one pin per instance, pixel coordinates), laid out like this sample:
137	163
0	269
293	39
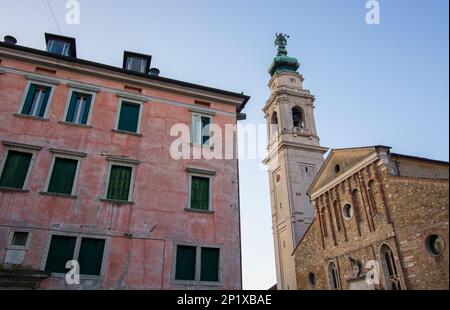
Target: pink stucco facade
140	236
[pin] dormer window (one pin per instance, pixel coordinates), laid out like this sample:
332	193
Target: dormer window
60	45
137	62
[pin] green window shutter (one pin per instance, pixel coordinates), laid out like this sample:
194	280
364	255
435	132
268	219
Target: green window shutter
119	183
60	252
200	193
63	176
72	106
75	105
185	264
44	102
29	99
90	257
129	117
206	130
15	170
209	265
87	108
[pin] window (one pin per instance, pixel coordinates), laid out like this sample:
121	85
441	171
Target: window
297	117
200	193
18	244
347	211
129	116
333	277
87	251
189	268
36	100
63	176
58	47
15	169
201	129
337	215
185	264
273	125
323	222
79	108
435	245
209	265
137	62
311	280
372	191
61	251
390	270
19	239
90	256
337	168
119	183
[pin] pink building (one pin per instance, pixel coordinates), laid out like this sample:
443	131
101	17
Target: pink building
86	174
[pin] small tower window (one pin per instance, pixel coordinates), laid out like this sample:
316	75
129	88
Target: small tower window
297	117
274	125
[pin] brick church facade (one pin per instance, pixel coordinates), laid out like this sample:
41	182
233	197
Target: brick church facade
376	209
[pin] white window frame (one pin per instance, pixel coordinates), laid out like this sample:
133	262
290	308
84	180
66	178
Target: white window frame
131	59
141	108
69	99
66	47
132	179
38	82
76	253
198	267
21	149
77	173
207	175
199	141
25	247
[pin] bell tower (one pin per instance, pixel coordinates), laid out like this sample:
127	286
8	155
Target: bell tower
295	156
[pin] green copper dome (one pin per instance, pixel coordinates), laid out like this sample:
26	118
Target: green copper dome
282	62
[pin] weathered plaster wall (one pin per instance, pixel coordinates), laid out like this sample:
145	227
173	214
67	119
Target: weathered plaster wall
157	217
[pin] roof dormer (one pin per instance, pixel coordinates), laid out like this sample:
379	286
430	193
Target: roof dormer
136	62
61	45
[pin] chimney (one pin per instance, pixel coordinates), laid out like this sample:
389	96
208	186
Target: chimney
10	40
154	72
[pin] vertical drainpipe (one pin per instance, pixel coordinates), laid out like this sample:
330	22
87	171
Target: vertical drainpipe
239	205
239	220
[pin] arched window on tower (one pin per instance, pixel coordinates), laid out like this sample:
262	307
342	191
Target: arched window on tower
323	222
297	117
333	277
390	270
274	125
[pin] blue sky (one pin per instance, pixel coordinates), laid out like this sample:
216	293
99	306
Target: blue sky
375	84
